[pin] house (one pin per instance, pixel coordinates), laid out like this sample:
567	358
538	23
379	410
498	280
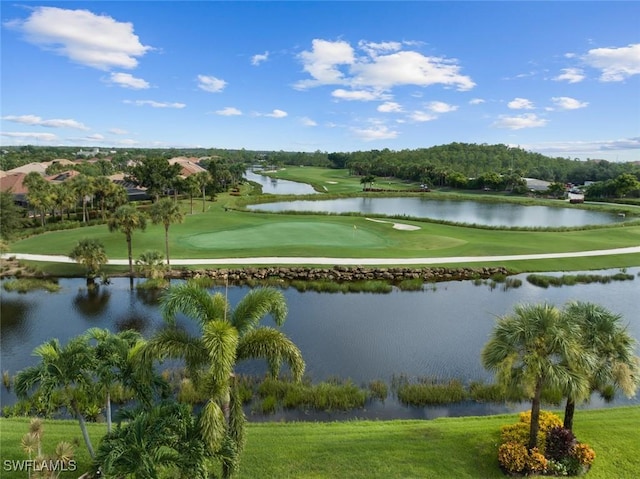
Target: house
134	193
189	166
14	183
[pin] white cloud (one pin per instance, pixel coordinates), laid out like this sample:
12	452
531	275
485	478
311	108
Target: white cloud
476	101
118	131
568	103
377	132
528	120
520	104
277	114
374	49
616	64
229	111
96	41
441	107
422	116
211	83
571	75
126	80
37	121
30	136
154	104
409	68
357	95
259	58
390	107
322	62
584	147
306	121
94	137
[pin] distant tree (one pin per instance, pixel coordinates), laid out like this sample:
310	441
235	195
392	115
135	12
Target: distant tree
556	189
155	174
127	219
83	186
625	184
40	194
192	188
89	252
166	212
367	180
11	216
202	179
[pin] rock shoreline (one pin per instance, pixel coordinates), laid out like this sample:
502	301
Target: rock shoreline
342	274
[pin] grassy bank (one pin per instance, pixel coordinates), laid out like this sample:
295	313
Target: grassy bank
441	448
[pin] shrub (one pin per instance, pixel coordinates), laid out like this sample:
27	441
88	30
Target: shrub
547	420
584	454
513	457
560	443
536	463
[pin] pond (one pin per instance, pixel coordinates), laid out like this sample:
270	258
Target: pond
438	332
470	212
277	186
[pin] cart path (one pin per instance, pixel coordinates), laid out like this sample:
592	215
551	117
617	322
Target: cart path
282	260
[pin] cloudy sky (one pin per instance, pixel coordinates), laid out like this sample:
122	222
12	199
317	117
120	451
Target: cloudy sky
559	78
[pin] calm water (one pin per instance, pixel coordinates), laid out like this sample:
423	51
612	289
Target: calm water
438	332
280	187
490	214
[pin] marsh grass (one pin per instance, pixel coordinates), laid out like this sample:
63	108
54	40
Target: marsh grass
25	285
544	281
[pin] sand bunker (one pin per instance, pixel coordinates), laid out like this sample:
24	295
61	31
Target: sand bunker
397	226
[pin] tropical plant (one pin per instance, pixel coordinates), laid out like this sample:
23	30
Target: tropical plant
166	212
127	219
226	337
202	179
192	188
89	252
83	186
64	372
118	360
163	441
10	216
150	264
616	366
40	194
531	349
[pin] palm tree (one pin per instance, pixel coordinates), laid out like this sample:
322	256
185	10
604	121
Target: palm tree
164	438
167	212
616	365
192	188
103	188
226	337
65	371
83	186
89	252
202	179
127	219
118	360
532	349
40	195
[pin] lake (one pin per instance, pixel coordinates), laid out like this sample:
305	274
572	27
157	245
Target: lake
277	186
438	332
469	212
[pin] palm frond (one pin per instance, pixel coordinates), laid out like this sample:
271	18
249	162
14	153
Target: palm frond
189	299
221	341
275	347
257	304
212	426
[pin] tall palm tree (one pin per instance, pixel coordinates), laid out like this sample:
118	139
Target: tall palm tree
616	366
202	179
127	219
83	186
192	188
40	195
226	337
167	212
62	370
532	349
89	252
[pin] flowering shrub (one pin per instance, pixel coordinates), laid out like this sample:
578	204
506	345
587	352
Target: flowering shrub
583	453
558	452
512	457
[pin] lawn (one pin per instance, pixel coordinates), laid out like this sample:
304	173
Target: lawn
225	230
441	448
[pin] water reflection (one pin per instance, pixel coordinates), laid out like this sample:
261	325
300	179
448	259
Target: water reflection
470	212
92	302
277	186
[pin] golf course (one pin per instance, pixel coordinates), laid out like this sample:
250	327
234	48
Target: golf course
226	230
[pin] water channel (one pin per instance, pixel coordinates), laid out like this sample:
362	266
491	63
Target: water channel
438	332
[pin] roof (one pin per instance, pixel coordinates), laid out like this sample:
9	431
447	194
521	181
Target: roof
13	182
39	167
189	166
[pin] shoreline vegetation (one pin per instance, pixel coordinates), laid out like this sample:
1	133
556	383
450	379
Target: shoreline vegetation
462	447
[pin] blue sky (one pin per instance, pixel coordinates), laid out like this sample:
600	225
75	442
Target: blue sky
559	78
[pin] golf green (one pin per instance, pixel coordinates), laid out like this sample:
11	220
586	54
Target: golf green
307	233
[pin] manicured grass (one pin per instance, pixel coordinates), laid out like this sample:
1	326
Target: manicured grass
441	448
223	232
